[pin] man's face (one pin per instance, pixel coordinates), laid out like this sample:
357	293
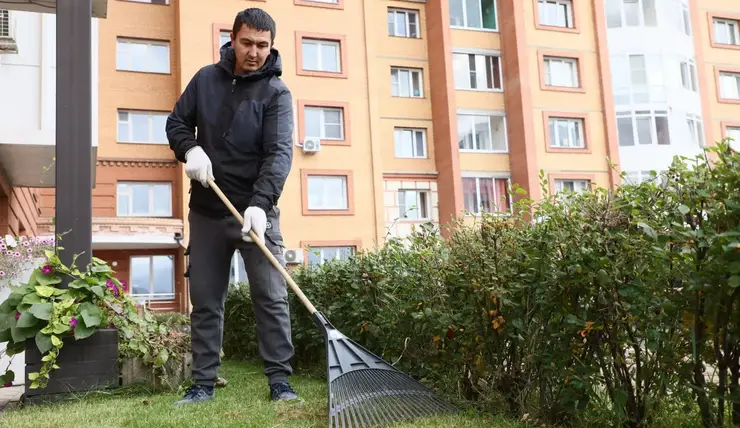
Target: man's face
252	48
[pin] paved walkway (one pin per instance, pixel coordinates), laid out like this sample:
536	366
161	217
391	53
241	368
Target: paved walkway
10	395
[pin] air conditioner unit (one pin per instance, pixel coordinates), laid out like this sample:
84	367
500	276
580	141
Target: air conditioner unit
293	256
311	145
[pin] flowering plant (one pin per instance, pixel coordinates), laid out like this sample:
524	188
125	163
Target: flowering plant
41	309
15	253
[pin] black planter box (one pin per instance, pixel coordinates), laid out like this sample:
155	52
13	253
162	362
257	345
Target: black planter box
84	365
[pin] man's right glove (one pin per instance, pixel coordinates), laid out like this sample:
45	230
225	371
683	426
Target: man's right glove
198	166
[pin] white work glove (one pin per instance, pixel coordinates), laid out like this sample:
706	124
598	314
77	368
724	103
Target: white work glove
198	166
255	219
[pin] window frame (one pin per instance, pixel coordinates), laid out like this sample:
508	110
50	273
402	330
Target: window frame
345	118
411	71
494	177
427	204
407	13
496	55
148	42
316	3
480	9
727	19
689	66
695	124
640	14
306	174
634	114
339	39
545	58
150	121
487	115
355	245
573	17
414	132
151	296
581	118
150	213
719	72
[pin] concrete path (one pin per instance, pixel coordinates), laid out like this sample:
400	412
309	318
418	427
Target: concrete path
10	395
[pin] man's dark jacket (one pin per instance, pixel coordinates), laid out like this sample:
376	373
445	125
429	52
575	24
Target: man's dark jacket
245	126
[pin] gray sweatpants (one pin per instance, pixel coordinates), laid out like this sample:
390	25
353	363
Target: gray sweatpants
212	245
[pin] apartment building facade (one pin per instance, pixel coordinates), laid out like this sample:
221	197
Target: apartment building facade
406	111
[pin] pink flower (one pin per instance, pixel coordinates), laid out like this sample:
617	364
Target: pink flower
29	251
113	287
124	286
16	254
73	322
2	246
2	274
17	315
7	384
47	269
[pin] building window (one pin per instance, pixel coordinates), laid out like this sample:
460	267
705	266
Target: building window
572	185
321	255
323	2
140	199
638	79
146	127
473	14
637	177
327	193
643	128
733	132
321	55
414	204
325	123
556	13
224	37
631	13
407	82
686	20
164	2
146	56
476	71
152	277
696	129
566	133
481	133
728	85
726	32
4	23
403	23
238	272
561	72
688	76
486	194
410	143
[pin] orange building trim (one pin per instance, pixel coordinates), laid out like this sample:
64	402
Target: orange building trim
302	104
547	115
305	173
343	61
339	5
576	20
577	56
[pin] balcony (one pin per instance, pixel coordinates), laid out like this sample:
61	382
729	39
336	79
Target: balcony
28	93
126	233
99	7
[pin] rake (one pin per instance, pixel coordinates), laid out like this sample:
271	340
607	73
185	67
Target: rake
364	390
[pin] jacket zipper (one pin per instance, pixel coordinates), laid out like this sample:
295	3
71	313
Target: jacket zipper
233	86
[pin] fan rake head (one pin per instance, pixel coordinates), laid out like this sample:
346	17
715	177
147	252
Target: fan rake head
365	391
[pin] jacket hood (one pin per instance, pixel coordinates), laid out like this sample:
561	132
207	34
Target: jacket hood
273	64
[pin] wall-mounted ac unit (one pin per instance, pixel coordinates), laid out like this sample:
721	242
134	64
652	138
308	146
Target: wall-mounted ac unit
293	256
311	145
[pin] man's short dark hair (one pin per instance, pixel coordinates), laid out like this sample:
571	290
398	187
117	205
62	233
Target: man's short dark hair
255	18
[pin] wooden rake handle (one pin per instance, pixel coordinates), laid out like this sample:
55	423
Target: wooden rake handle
265	250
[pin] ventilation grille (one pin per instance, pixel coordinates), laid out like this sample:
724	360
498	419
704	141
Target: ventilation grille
4	23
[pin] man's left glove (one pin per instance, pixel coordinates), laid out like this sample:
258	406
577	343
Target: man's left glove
255	219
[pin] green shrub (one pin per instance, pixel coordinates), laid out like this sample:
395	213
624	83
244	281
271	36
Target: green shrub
608	309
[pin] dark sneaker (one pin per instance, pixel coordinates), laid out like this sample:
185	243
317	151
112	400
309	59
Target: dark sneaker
282	391
197	394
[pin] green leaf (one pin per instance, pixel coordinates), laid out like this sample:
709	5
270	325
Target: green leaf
49	280
32	298
43	342
20	334
5	335
41	311
734	281
78	283
55	340
82	331
15	348
98	290
91	314
683	209
27	320
44	290
647	229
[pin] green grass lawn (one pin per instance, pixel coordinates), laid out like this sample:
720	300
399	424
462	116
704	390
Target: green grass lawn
243	403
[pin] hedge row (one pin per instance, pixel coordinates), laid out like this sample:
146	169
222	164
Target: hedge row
607	308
